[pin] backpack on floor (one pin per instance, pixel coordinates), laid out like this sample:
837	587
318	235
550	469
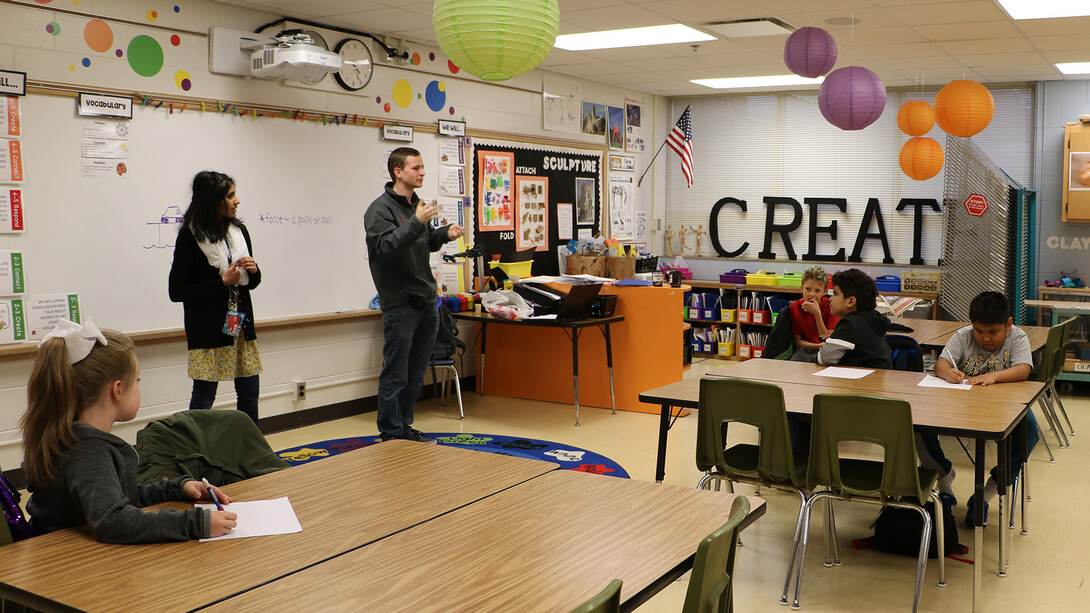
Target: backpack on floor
446	340
898	531
17	528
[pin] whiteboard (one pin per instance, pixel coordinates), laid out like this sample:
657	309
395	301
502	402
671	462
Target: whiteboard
304	188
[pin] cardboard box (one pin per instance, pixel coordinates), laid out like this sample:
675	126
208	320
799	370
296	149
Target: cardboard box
1082	351
579	264
620	268
12	279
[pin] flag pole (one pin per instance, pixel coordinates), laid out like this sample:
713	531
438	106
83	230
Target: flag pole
656	156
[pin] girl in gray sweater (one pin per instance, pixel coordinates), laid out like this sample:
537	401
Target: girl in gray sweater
84	380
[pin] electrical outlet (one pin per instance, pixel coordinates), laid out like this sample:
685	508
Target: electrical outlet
300	388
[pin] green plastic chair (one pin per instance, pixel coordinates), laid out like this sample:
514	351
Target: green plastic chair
769	463
607	601
713	566
1052	364
895	481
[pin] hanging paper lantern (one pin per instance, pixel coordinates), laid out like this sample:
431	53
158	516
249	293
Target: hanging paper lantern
921	158
496	39
852	98
964	108
916	118
810	52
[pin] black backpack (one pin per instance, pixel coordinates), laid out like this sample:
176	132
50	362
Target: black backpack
898	531
446	340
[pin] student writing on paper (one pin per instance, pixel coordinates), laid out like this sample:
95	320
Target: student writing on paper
990	350
83	381
812	319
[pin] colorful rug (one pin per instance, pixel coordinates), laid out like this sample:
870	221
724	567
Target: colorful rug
569	457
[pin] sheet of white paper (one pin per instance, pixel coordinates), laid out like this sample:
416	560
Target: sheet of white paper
843	373
933	381
552	316
259	518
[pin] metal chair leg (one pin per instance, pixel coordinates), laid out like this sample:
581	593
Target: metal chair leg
794	548
921	561
802	546
1059	403
1041	436
1053	399
1045	409
940	532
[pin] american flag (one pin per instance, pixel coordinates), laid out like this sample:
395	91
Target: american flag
680	140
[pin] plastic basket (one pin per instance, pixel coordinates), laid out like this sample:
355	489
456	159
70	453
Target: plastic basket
647	264
925	281
761	277
790	279
888	283
738	275
603	306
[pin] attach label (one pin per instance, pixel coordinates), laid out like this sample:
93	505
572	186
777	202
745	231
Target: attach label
12	82
95	105
452	128
403	133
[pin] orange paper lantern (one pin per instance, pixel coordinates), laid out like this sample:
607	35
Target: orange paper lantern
964	108
921	158
916	118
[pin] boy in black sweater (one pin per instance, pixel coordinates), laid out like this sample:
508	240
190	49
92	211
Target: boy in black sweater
859	336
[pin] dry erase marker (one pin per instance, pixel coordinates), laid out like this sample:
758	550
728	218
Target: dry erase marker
208	486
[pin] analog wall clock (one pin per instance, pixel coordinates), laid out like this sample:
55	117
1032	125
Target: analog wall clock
357	64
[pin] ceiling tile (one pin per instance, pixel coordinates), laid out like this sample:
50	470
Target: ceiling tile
993	45
965	11
976	31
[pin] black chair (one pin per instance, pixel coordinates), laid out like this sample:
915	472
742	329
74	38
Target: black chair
781	342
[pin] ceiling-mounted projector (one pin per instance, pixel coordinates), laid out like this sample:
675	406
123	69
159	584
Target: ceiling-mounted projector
292	56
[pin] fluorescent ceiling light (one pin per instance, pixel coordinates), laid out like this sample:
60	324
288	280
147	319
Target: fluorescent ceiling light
1045	9
631	37
769	81
1074	68
749	27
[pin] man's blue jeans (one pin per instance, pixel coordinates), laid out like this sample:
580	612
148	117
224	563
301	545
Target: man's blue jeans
409	333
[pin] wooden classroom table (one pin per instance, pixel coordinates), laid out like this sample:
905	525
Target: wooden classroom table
983	413
545	545
934	334
343	502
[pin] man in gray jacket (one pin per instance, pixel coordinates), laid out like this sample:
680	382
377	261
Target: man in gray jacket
400	240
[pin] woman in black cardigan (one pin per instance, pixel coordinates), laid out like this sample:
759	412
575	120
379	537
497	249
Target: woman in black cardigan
212	275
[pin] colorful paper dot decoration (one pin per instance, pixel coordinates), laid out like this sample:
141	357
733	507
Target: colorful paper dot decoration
71	67
386	107
378	99
177	9
431	56
916	118
175	40
416	59
921	158
98	35
53	28
86	62
119	53
453	69
403	93
145	56
436	96
43	1
153	15
451	111
964	108
181	79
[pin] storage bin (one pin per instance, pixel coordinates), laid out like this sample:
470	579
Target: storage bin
647	264
520	270
738	275
760	317
745	351
711	314
757	351
789	279
603	306
728	349
685	272
888	283
1082	350
925	281
761	277
744	316
729	316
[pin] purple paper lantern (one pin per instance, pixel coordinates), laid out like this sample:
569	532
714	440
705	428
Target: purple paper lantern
852	98
809	52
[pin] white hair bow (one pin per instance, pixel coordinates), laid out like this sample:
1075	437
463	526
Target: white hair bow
79	340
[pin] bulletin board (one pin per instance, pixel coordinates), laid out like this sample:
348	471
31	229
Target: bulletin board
534	198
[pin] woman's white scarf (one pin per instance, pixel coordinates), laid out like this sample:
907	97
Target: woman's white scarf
217	253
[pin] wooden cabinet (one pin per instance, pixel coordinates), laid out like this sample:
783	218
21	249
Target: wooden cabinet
1076	177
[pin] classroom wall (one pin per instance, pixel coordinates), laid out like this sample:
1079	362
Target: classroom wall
1062	246
340	361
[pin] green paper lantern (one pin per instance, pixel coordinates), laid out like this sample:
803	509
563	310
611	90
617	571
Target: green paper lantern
496	39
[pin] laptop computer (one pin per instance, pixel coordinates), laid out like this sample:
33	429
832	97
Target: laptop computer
576	304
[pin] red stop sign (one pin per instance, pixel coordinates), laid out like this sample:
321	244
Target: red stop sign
976	204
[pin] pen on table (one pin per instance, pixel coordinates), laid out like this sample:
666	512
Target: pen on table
215	499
